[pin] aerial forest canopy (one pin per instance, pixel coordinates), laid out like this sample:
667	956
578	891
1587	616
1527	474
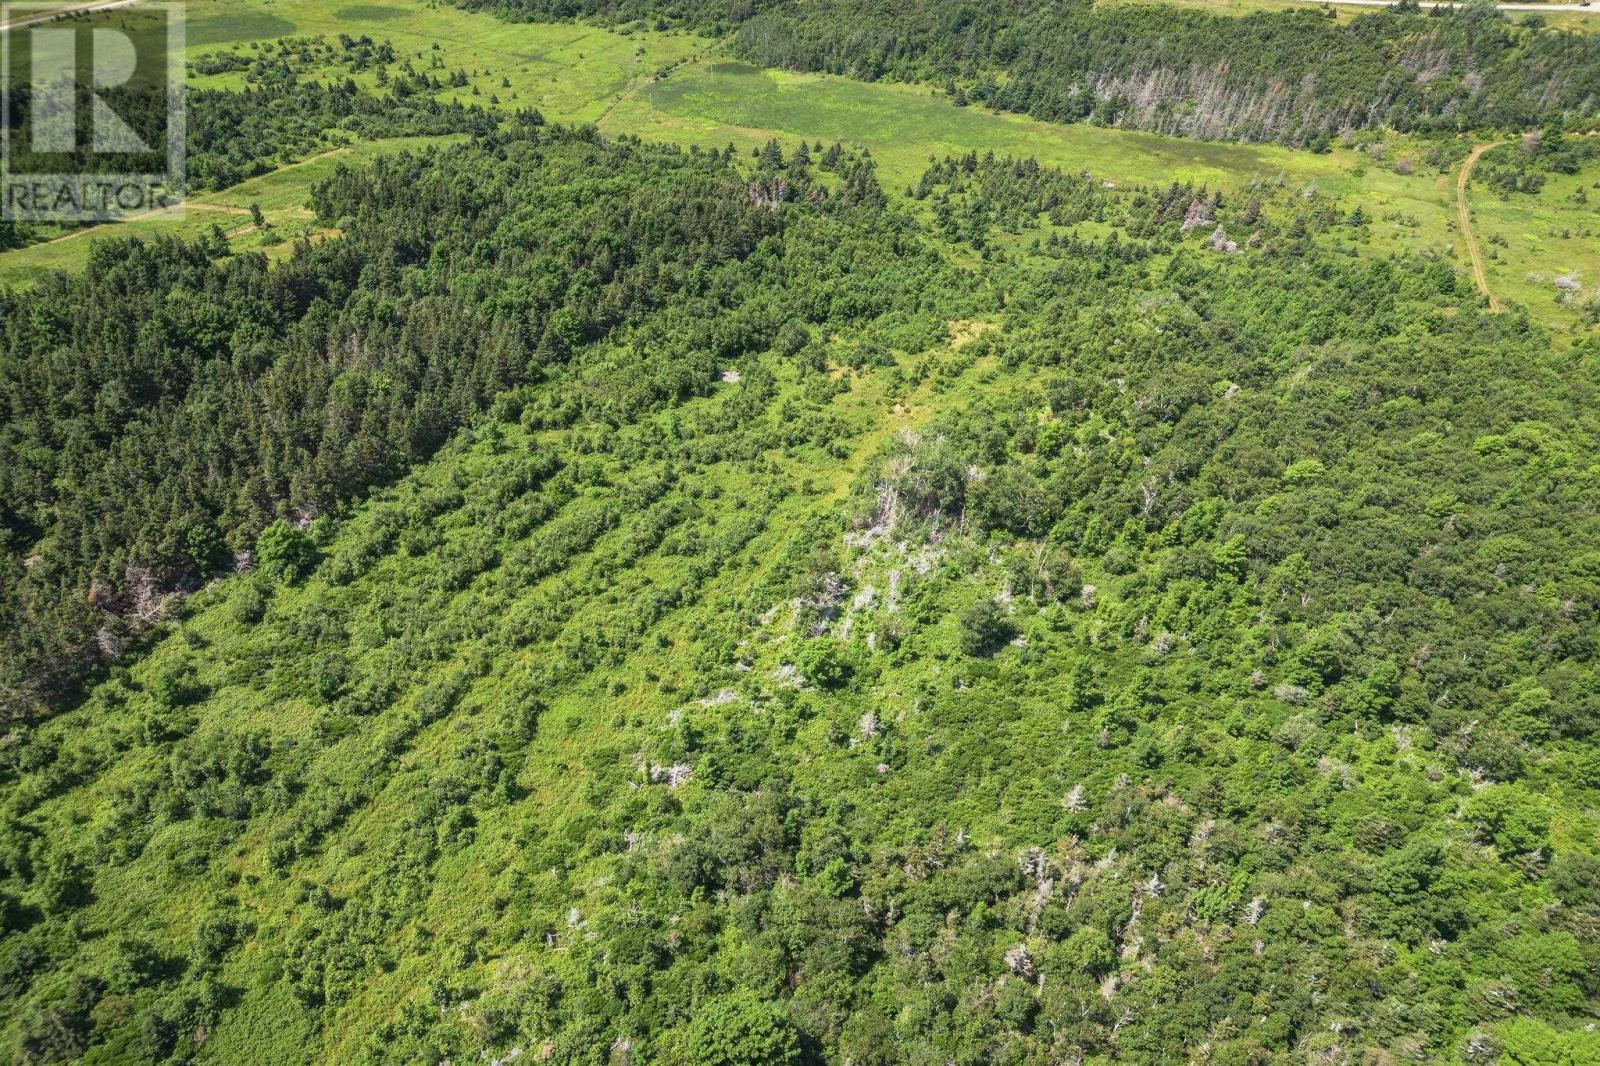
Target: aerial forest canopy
148	440
1291	77
595	601
1182	670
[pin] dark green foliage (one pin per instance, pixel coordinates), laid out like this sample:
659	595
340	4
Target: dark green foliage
985	627
823	665
239	135
741	1030
1121	648
284	551
1522	168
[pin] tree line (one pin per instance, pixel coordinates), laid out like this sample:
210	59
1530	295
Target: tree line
1290	77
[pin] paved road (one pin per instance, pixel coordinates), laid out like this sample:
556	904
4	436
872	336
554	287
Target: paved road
73	9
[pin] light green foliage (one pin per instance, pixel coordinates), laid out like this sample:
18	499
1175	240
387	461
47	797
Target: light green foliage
284	551
741	1030
1510	818
1526	1042
758	619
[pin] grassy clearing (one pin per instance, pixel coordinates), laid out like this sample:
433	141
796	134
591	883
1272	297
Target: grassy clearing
570	72
717	102
1529	241
905	125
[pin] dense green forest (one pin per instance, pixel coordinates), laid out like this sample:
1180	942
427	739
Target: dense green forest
291	106
1136	644
614	603
286	111
96	405
1293	77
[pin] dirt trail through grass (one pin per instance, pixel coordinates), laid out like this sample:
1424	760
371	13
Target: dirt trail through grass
1464	220
31	19
638	80
176	210
1480	276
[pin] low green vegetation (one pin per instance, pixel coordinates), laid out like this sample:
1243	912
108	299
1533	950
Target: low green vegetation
809	647
1537	209
582	549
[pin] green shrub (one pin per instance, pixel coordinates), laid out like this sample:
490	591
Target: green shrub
742	1030
284	552
985	627
823	664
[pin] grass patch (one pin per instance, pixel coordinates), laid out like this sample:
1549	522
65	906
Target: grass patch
209	29
371	13
1530	241
904	125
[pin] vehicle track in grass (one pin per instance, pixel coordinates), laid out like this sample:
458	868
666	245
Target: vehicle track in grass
638	80
34	18
1480	277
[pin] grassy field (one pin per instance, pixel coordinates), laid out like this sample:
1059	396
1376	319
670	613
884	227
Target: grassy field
904	125
568	71
678	87
716	102
1529	241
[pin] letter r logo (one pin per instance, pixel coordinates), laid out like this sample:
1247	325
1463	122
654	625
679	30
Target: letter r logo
92	116
54	103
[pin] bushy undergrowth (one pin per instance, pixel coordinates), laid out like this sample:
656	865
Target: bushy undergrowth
766	640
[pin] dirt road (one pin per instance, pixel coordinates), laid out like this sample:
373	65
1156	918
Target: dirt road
1464	223
35	17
